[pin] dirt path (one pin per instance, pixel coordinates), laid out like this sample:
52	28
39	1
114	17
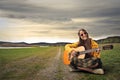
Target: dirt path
56	70
50	72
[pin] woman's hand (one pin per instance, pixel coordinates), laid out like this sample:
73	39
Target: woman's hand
98	50
73	52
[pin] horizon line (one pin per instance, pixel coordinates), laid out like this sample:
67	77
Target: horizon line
51	42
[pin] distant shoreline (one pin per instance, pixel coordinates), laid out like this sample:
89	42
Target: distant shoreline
13	47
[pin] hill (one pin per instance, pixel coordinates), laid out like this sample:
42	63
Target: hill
11	44
23	44
114	39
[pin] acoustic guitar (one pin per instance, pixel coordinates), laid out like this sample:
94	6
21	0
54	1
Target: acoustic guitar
81	52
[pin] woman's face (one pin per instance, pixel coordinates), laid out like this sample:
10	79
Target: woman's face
83	35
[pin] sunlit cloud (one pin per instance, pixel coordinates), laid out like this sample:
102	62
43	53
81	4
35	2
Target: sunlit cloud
87	20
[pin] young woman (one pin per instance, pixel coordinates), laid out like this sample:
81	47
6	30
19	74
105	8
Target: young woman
90	61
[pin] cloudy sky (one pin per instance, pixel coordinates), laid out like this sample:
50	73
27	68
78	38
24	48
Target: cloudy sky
57	20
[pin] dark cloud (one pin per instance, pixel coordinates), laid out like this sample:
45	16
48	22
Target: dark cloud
14	6
107	12
22	9
118	29
109	9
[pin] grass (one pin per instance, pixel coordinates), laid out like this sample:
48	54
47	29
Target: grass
17	64
111	60
111	65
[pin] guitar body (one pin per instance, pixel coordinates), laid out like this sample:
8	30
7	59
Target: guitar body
66	59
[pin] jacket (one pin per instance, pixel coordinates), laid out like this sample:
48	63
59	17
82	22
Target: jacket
68	48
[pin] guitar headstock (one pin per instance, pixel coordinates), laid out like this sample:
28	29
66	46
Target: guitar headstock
107	47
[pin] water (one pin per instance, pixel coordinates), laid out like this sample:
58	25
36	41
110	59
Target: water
13	47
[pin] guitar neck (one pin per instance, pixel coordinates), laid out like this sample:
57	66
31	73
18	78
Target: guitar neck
88	51
106	47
